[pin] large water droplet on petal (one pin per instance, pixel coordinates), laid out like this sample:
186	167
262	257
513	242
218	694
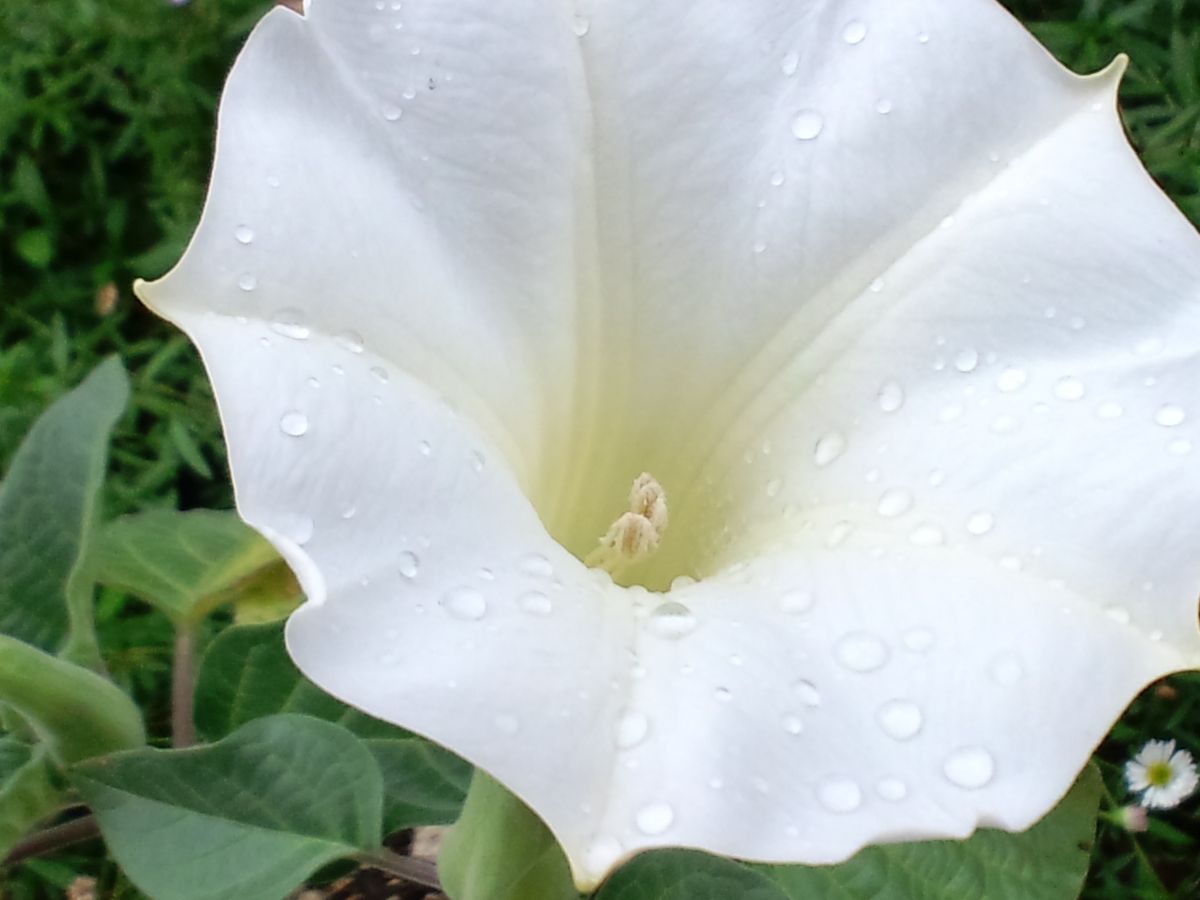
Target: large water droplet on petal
1069	389
633	727
790	63
891	397
854	32
829	447
409	564
1170	416
654	818
536	566
293	423
900	719
970	768
839	794
535	603
862	652
796	602
808	124
465	603
290	324
792	723
243	234
894	502
671	620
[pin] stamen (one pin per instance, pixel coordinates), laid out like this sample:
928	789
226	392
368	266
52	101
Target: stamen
635	535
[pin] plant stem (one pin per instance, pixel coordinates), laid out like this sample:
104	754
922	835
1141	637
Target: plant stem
1142	857
418	871
53	838
183	688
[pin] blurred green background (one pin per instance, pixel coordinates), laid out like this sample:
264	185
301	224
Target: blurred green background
106	134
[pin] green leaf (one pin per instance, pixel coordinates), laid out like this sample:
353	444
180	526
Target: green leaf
1047	862
500	850
423	783
247	673
248	818
47	507
184	563
36	247
75	712
28	790
688	875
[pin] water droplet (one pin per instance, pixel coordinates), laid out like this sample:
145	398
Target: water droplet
792	723
1179	447
633	727
580	26
776	179
883	107
918	640
839	534
1069	389
426	448
839	794
1151	346
790	63
724	695
247	282
1011	379
671	620
900	719
891	397
807	692
1170	416
464	603
409	564
980	523
506	724
970	768
243	234
829	448
535	603
795	602
478	462
894	502
877	286
774	486
1109	411
290	324
923	38
536	566
293	423
927	535
351	340
602	854
391	112
967	360
1118	614
808	124
891	789
654	818
272	181
854	32
862	652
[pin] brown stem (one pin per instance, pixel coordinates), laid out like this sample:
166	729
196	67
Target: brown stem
418	871
183	688
53	838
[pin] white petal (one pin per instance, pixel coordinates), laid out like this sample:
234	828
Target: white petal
405	178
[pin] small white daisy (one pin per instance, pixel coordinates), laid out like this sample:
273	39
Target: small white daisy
1165	776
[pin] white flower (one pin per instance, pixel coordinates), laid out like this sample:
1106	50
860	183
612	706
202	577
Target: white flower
1164	776
874	293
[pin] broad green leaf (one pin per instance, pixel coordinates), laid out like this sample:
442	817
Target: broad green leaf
75	712
29	791
247	673
423	783
47	507
500	850
1047	862
688	875
185	563
248	818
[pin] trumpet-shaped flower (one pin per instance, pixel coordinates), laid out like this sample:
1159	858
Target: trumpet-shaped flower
746	426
